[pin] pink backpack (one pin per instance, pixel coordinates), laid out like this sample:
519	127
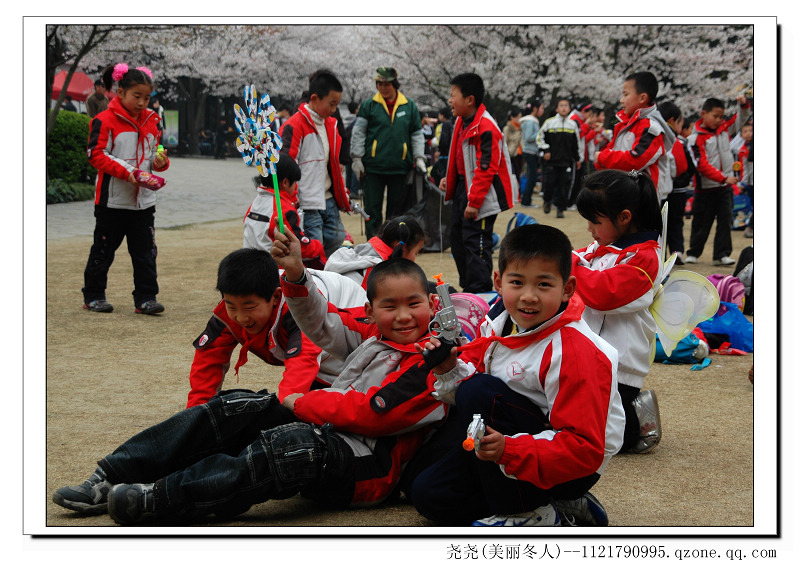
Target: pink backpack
730	289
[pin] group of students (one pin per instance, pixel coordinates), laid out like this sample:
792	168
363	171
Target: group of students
556	374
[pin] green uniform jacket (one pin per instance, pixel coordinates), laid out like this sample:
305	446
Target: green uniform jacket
387	144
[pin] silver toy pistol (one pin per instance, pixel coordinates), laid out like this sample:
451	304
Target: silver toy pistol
444	326
475	431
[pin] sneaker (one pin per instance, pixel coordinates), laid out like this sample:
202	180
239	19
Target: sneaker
585	511
572	208
544	516
149	307
748	232
679	258
130	504
690	259
547	206
98	306
89	498
646	406
724	261
560	214
529	205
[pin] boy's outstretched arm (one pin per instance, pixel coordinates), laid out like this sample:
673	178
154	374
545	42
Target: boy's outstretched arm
288	254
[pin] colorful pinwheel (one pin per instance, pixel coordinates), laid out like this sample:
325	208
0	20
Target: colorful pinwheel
256	141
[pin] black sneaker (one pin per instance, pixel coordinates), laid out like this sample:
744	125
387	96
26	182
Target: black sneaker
130	504
89	498
585	511
547	206
560	214
150	307
98	306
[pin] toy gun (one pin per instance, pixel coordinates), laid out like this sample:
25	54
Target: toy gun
357	208
444	326
475	431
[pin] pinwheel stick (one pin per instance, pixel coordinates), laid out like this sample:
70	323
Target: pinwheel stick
278	202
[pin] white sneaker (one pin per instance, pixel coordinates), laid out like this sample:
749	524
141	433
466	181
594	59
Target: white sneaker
572	208
544	516
724	261
690	259
646	406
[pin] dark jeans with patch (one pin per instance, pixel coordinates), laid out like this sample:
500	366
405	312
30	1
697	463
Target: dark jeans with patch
238	449
458	488
111	226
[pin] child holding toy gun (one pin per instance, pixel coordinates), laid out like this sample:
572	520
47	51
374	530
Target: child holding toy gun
123	146
545	385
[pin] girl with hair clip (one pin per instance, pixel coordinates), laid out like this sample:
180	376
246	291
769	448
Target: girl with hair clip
618	275
399	237
123	147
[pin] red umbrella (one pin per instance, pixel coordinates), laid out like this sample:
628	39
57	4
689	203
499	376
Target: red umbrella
80	86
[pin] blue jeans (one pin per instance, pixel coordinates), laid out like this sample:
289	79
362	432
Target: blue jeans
325	225
238	449
532	175
459	488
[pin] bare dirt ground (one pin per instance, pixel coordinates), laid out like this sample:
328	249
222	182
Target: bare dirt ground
111	375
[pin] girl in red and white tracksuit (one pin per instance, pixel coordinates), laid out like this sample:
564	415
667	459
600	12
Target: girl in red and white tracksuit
617	277
123	139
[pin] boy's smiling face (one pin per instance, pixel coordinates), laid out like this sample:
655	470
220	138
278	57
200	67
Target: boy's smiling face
401	308
533	290
251	311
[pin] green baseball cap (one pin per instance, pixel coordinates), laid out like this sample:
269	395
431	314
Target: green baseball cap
386	74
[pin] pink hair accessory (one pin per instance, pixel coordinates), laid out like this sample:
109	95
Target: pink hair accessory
119	71
146	71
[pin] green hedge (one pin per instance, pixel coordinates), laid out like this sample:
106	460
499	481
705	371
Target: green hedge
66	149
59	191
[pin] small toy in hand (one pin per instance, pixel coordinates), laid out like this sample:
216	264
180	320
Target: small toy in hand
148	180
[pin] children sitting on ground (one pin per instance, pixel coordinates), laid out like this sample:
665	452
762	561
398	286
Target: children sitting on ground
243	448
642	140
253	314
682	168
713	196
261	219
402	236
546	387
618	276
479	182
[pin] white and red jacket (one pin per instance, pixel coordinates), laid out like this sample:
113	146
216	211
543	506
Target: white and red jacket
303	142
491	186
381	402
118	146
641	142
356	263
566	370
712	149
588	134
280	343
617	283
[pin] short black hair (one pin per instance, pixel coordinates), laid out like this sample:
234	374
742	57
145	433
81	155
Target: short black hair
669	110
712	103
248	271
392	269
608	192
645	82
445	112
470	84
536	241
323	82
286	168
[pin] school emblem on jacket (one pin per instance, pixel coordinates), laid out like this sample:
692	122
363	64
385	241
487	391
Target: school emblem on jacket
393	359
379	402
515	371
203	340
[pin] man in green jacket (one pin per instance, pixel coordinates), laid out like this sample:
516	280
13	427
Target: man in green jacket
387	143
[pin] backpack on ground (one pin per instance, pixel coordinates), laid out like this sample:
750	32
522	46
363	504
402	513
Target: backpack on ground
730	289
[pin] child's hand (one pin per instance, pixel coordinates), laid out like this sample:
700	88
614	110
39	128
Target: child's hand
445	366
287	253
493	444
443	184
731	180
289	401
132	179
741	99
547	156
161	159
470	212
